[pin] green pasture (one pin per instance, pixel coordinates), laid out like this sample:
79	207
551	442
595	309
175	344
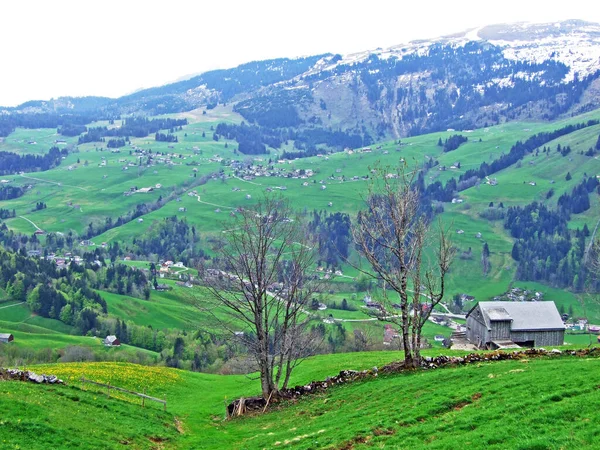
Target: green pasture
35	141
432	409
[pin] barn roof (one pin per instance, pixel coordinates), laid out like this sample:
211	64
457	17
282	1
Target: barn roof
524	315
498	313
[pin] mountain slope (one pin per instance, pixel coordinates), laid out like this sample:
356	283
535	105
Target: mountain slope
481	76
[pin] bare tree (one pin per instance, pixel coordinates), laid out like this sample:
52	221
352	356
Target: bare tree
263	285
393	234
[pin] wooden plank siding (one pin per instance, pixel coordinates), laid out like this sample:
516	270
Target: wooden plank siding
477	331
540	338
500	330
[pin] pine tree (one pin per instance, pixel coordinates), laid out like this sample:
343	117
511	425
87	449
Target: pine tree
515	252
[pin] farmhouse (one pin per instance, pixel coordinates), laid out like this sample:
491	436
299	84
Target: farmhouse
111	341
6	338
510	324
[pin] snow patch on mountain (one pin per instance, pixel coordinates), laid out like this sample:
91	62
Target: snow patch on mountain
574	43
579	52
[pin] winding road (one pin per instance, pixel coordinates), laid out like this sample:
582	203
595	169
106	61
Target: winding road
25	218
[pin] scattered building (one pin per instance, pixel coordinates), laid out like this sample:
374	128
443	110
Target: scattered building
6	338
112	341
511	324
369	303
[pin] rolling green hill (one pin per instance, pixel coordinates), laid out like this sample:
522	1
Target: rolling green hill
529	403
89	185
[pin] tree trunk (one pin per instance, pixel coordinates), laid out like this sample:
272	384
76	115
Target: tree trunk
417	361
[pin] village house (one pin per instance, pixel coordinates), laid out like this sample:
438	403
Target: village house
5	338
389	334
514	324
369	303
111	341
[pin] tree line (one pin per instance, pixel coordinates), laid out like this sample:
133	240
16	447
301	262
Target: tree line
445	193
12	163
545	248
452	143
66	122
10	192
520	149
132	127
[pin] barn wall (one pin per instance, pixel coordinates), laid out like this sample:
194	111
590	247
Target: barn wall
540	338
500	330
477	332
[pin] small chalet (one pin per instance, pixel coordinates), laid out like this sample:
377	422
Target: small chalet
112	341
6	338
514	324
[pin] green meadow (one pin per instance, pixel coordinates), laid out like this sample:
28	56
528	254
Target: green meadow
486	405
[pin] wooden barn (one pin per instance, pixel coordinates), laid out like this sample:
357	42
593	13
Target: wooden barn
6	338
112	341
515	324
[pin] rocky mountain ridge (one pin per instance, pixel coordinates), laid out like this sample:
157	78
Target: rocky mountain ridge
469	79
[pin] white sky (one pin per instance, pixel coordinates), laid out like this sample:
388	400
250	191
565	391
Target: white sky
113	47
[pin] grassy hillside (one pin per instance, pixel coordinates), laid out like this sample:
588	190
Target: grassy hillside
39	335
525	404
537	403
89	184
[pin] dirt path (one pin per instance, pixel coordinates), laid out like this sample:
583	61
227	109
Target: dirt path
213	204
54	182
15	304
25	218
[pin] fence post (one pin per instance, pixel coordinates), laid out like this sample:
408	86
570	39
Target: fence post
144	399
108	389
165	404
